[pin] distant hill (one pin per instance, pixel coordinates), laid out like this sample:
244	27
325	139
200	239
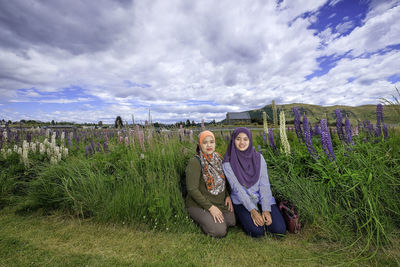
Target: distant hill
315	113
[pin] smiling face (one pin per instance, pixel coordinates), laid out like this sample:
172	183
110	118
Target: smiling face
208	145
242	141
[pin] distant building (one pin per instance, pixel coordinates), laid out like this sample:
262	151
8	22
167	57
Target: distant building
237	117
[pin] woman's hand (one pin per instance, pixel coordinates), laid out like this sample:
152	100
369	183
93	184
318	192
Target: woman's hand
216	214
267	217
228	202
257	219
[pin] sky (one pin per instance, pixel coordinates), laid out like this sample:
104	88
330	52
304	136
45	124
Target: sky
90	61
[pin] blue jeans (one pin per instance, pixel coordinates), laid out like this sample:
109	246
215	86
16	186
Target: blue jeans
243	216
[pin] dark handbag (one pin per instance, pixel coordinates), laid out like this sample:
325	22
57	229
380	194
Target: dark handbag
291	217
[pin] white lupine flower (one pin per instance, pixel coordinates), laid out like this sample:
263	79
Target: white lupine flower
47	133
25	145
265	124
42	149
5	135
65	152
19	151
9	151
62	137
53	160
71	135
15	148
284	140
59	157
25	158
33	147
48	150
3	152
56	150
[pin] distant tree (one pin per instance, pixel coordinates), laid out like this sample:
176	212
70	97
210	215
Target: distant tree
52	122
100	123
193	123
9	122
188	123
118	122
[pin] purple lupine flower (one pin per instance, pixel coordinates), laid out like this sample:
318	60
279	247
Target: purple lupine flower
259	148
28	137
92	147
141	139
271	139
316	131
297	127
326	140
307	135
385	131
98	147
87	148
377	131
347	127
105	146
339	124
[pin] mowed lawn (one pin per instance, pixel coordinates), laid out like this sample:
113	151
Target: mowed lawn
32	240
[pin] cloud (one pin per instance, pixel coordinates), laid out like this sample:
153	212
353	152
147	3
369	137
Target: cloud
124	57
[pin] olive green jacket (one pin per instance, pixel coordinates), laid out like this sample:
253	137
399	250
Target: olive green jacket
197	193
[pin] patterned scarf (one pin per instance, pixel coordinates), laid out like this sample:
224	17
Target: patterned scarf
212	172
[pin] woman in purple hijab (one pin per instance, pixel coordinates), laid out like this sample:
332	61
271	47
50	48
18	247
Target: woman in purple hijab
246	170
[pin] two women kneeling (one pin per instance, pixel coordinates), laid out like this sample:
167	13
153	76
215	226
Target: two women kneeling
208	201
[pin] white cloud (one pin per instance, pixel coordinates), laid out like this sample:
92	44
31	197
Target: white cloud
231	57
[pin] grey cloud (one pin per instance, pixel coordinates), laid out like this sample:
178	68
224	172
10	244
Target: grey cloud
77	27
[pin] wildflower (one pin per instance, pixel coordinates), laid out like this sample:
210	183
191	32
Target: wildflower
265	123
385	131
326	140
105	146
5	135
191	135
87	151
354	131
62	137
339	124
181	132
271	139
142	156
284	140
259	148
297	126
347	127
307	135
126	140
42	148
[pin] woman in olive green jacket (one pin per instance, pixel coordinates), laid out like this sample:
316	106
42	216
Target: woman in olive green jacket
208	201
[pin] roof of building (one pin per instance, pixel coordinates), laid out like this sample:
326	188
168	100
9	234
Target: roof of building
238	115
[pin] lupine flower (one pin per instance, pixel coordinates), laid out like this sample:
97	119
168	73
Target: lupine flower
142	156
297	126
284	140
307	135
141	140
264	135
259	148
191	135
265	123
347	127
385	131
326	140
92	146
28	137
339	124
354	131
87	150
98	147
271	139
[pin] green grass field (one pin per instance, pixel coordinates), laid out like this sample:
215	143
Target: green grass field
56	240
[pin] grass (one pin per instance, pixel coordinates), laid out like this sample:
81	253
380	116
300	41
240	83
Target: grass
34	240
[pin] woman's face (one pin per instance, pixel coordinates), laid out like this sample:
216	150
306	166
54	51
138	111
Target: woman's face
208	145
242	141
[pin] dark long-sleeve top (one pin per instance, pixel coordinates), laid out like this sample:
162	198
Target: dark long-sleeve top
259	193
198	195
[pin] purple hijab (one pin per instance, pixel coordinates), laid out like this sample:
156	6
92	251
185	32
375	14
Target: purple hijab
245	164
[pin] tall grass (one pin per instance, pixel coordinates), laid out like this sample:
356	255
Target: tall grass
127	184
